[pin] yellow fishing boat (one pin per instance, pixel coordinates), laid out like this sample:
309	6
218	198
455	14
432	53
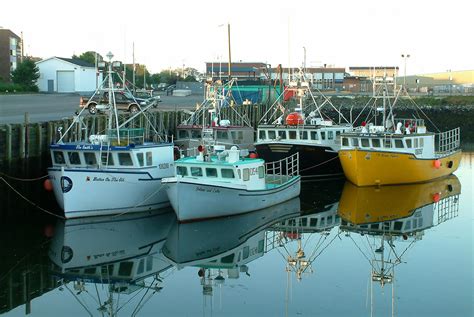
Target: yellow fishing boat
363	205
397	151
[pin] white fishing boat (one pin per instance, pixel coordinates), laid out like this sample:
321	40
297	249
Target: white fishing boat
113	171
306	130
209	186
209	124
127	260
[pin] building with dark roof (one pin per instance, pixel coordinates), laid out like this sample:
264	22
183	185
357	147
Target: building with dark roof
66	75
10	53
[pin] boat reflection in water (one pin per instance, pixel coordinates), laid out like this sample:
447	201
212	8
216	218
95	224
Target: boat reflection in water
221	248
390	215
119	251
319	216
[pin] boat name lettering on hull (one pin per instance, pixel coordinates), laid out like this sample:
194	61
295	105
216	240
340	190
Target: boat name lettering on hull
108	179
207	190
84	147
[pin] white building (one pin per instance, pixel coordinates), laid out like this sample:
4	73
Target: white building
58	74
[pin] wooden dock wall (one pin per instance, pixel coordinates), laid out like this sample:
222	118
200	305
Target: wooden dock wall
28	140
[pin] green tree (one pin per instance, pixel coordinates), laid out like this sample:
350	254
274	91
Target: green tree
26	74
89	57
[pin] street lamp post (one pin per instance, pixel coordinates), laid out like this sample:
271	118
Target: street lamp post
405	56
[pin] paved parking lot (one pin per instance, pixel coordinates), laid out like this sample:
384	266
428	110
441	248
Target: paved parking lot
46	107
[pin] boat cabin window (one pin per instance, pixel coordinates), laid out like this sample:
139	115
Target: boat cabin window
196	171
261	134
58	157
182	134
345	141
239	173
141	266
398	225
330	135
181	170
415	141
338	133
211	172
314	135
421	142
125	159
313	222
237	135
90	270
261	172
74	158
364	142
246	252
246	174
398	144
107	158
355	142
125	268
149	158
228	258
140	159
282	134
375	142
271	134
408	142
227	173
303	135
388	143
323	135
90	158
195	134
292	135
222	135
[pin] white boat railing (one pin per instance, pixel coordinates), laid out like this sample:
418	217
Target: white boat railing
281	171
447	142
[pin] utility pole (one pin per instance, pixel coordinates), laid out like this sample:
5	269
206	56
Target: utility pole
405	56
228	36
133	67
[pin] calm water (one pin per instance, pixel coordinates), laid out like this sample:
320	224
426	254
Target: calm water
335	251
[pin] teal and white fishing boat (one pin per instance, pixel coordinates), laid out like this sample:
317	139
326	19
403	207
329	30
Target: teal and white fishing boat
228	183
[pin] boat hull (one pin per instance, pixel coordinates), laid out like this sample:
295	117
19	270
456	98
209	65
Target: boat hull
83	192
194	201
366	168
314	161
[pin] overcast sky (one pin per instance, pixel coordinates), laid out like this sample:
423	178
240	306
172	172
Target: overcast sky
438	35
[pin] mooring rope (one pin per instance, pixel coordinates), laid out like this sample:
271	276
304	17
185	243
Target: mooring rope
31	202
24	179
304	169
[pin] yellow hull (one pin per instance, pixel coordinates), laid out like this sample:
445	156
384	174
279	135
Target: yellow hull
362	205
366	168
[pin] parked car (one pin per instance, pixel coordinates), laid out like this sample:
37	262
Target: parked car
162	86
124	100
169	89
